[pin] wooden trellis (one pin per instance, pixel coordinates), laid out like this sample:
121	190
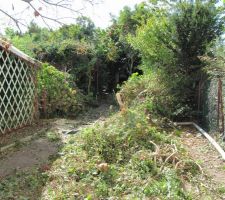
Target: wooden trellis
17	88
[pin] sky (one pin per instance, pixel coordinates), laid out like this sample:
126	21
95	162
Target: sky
99	13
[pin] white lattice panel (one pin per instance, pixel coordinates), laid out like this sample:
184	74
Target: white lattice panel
17	92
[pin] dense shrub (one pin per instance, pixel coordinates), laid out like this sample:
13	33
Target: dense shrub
57	93
173	39
119	138
138	150
152	89
133	142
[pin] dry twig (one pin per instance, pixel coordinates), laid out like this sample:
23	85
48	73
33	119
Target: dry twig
157	150
174	152
63	5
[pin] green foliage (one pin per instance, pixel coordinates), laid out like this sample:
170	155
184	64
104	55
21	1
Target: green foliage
160	34
197	25
116	140
97	59
143	162
128	142
173	38
221	190
53	136
25	44
139	152
14	186
167	187
153	40
152	90
56	90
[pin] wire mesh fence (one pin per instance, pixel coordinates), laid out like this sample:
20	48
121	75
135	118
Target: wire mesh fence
17	92
212	103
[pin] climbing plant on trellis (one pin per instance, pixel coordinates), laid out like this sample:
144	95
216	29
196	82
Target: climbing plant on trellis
17	92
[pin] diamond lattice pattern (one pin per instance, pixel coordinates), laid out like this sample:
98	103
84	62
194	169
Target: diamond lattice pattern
17	92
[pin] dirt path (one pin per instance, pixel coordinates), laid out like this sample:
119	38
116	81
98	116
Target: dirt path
37	152
209	159
41	151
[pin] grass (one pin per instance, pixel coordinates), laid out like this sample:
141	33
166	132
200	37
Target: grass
126	144
23	185
128	156
124	157
52	136
221	190
132	155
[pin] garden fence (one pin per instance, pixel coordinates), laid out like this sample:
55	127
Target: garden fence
18	102
211	102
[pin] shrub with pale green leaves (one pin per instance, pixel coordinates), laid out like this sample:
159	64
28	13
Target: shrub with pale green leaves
57	91
150	89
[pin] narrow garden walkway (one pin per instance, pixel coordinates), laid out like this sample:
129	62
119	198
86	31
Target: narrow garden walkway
36	153
39	151
207	157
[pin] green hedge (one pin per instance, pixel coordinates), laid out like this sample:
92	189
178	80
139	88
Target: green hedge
58	92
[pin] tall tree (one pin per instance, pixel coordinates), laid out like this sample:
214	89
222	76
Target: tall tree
173	39
197	25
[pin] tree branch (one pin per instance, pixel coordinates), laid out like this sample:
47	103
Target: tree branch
65	5
16	21
45	17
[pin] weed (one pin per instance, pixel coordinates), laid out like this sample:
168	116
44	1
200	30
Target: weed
143	162
178	132
191	167
221	190
167	187
18	144
23	185
102	189
53	136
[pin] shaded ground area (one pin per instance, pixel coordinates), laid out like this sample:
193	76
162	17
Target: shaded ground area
208	158
35	153
39	127
22	169
93	115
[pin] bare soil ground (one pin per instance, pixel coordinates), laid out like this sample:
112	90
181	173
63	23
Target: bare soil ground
208	158
39	126
37	152
28	156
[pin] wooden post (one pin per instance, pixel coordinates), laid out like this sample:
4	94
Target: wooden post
120	101
222	112
44	102
220	120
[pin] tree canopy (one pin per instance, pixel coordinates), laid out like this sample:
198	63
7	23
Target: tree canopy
166	35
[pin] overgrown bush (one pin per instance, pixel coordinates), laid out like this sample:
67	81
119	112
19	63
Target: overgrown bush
151	89
133	142
141	152
173	39
56	92
119	138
